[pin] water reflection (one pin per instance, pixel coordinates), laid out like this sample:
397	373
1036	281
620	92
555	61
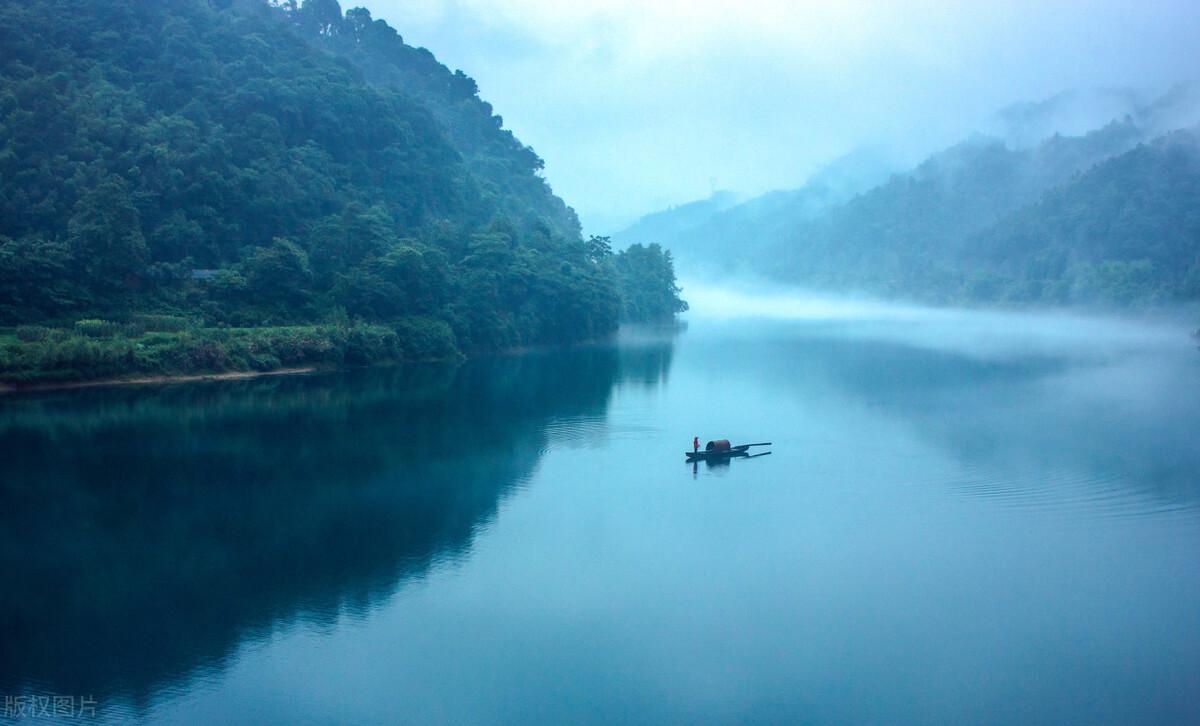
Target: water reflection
150	531
1103	433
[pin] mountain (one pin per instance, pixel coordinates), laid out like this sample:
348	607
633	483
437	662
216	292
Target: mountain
670	223
945	231
257	184
1126	231
705	233
507	171
1070	113
900	237
1104	218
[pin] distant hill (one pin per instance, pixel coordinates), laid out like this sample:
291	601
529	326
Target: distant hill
1104	217
1070	113
1126	231
900	238
671	223
705	234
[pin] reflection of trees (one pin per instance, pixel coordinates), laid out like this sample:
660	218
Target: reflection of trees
646	363
148	531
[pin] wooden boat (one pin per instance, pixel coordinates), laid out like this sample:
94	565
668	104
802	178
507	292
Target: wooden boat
743	450
721	449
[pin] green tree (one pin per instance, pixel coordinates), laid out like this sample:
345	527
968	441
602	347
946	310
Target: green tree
279	275
646	276
105	235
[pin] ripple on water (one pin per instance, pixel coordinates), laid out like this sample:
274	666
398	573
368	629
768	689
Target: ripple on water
1073	493
588	430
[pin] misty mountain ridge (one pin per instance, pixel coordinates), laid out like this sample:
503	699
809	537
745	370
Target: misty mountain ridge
1126	231
1076	112
908	236
1069	113
676	220
704	228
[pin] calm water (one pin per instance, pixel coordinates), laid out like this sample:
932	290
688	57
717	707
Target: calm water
965	519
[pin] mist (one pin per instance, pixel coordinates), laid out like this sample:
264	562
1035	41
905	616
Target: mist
636	106
985	334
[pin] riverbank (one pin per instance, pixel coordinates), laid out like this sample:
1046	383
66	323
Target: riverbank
110	354
6	388
103	353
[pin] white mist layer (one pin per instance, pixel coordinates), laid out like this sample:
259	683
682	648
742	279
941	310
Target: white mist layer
981	333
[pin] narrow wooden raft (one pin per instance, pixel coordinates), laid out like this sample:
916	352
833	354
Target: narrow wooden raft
721	449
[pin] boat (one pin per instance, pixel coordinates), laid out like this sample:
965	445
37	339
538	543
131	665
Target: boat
724	454
721	449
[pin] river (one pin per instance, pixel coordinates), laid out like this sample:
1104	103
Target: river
964	518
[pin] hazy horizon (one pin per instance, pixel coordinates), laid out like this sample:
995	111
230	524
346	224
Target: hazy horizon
757	96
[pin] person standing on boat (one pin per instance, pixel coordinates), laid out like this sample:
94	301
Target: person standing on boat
695	444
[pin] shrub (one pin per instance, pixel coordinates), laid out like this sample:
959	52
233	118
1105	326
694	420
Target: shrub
32	333
423	338
153	323
97	349
92	328
365	344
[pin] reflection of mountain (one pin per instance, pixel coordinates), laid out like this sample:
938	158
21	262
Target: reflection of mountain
1099	433
149	532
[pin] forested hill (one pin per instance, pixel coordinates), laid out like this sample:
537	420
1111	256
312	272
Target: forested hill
508	172
208	184
1126	231
1105	217
1072	221
903	236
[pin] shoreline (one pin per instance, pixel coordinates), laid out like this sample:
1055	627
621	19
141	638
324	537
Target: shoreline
10	388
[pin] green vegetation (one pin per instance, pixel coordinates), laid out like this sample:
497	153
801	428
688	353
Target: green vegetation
1107	219
1126	232
294	184
646	276
1095	220
907	236
103	349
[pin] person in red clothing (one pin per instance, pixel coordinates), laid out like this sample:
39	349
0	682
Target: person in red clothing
695	443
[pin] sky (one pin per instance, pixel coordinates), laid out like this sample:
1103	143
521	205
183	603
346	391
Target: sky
637	105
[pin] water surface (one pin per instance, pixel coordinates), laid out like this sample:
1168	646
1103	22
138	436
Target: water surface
963	519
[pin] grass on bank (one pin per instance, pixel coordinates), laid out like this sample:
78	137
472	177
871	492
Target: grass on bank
167	345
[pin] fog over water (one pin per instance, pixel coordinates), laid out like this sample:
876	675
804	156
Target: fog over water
980	332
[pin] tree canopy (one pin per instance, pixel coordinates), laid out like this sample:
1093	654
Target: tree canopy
254	163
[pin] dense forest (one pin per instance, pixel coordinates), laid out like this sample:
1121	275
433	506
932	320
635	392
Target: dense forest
646	274
1126	232
1108	217
904	234
190	185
